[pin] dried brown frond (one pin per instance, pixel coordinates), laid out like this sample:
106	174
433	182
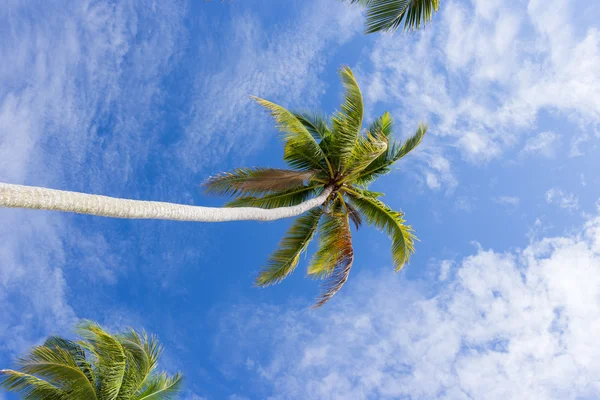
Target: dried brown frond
343	257
254	181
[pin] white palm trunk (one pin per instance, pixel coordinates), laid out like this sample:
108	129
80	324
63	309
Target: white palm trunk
19	196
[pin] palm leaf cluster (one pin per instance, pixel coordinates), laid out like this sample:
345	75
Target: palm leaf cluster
390	15
100	366
321	154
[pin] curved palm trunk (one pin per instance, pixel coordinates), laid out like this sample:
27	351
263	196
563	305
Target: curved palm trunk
18	196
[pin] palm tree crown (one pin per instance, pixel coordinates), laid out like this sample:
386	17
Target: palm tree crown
101	366
331	156
389	15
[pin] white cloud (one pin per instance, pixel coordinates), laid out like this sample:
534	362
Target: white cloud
478	148
544	144
562	199
517	325
485	70
508	200
438	172
445	266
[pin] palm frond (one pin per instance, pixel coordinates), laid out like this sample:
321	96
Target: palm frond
343	257
142	352
347	122
354	215
161	387
381	165
364	192
389	15
286	198
76	351
29	387
383	125
253	181
301	149
367	149
411	143
111	361
315	124
285	259
332	242
60	368
391	222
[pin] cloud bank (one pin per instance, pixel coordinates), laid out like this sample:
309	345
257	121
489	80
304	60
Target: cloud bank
486	70
515	325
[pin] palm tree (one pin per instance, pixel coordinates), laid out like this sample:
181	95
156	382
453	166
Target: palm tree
101	366
334	159
389	15
332	164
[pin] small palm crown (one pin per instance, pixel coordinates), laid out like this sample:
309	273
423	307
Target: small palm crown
337	156
99	367
390	15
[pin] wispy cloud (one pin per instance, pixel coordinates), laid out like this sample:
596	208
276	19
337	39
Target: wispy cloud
544	144
445	266
508	200
507	325
67	69
465	203
282	66
562	199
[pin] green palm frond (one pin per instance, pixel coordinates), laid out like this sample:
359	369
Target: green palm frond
142	354
364	192
340	258
410	143
60	368
382	126
391	222
301	149
30	387
367	149
285	198
347	122
389	15
161	387
381	165
148	343
76	351
255	181
110	359
315	124
285	259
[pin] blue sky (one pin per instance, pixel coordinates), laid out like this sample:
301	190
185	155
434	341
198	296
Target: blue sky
145	100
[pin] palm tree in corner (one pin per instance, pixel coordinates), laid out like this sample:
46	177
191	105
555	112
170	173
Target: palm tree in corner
390	15
331	165
101	366
336	158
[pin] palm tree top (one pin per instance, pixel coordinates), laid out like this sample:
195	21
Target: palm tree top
390	15
100	366
336	156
